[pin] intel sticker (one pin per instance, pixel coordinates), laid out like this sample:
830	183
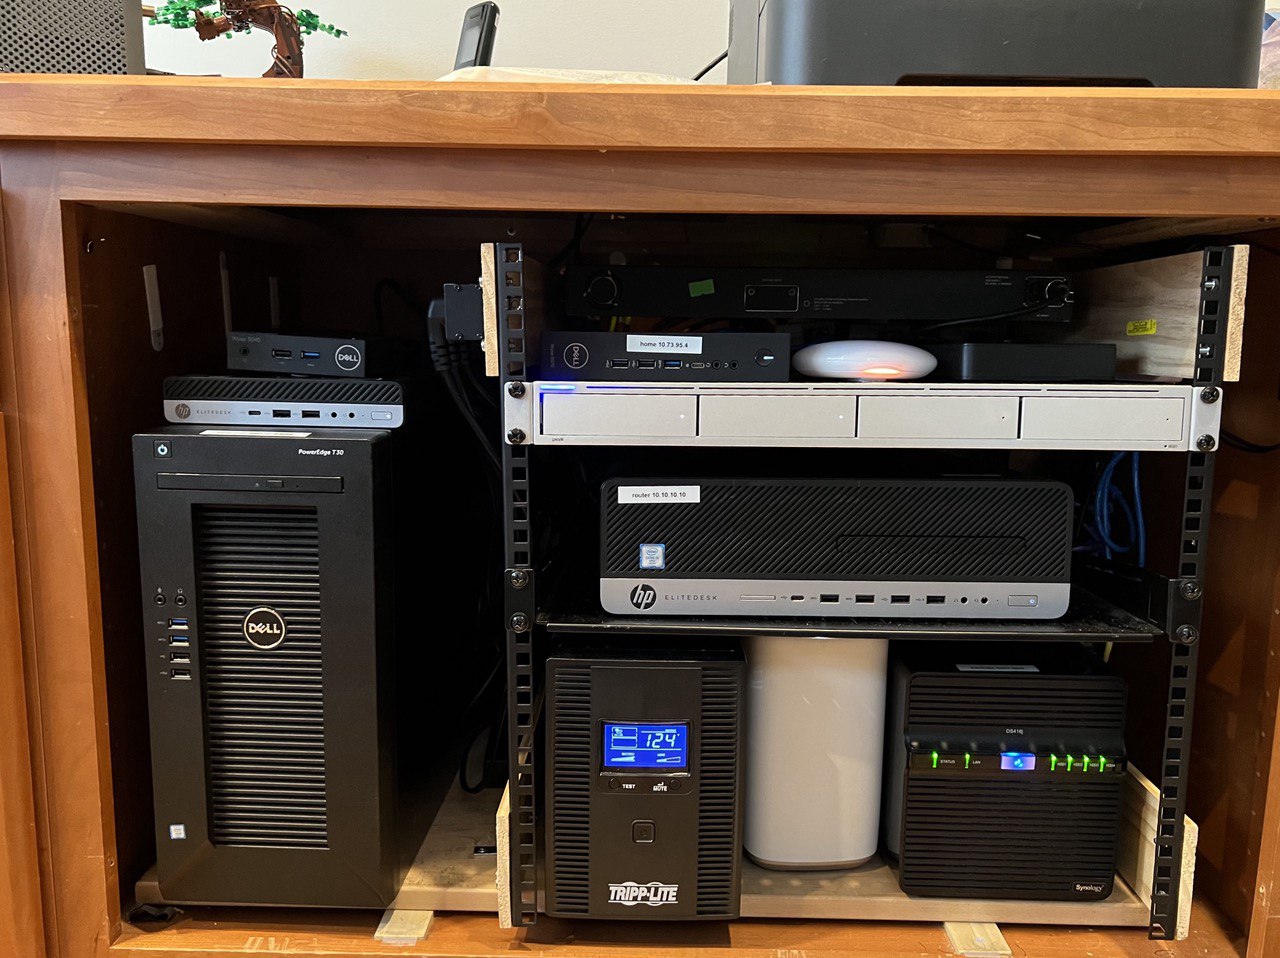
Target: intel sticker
653	555
178	832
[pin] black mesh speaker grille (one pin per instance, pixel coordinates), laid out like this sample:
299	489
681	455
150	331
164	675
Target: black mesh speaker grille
571	777
1024	839
959	530
718	839
274	389
264	708
975	703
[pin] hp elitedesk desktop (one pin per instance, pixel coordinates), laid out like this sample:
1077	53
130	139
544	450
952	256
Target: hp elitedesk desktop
644	789
271	664
1006	775
935	548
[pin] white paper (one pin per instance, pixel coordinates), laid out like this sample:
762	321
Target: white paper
657	343
689	494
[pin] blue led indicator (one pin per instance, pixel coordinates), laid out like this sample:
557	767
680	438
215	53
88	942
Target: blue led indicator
1017	761
663	747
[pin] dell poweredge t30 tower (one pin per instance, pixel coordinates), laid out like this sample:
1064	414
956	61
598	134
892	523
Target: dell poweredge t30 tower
272	659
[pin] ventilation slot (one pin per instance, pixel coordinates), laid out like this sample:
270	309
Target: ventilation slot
1033	840
718	839
941	703
571	794
274	389
264	709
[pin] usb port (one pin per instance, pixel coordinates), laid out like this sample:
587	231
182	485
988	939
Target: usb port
183	658
619	364
697	365
646	364
179	641
182	675
671	364
899	599
935	599
178	624
863	599
255	412
281	414
797	598
311	414
309	354
829	598
282	354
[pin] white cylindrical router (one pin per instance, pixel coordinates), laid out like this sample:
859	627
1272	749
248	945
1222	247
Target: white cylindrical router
815	750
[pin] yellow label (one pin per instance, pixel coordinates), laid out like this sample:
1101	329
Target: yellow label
1143	327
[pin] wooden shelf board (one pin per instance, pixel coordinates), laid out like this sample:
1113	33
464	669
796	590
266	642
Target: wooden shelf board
216	934
539	116
871	893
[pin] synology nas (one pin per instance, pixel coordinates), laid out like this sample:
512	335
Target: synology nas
1006	775
272	664
934	548
644	792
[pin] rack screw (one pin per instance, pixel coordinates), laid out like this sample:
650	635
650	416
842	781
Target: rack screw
1187	635
516	436
1204	443
1210	284
519	578
519	622
515	390
1191	590
1211	394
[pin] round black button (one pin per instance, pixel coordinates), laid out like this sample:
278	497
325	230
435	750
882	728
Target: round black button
614	783
603	290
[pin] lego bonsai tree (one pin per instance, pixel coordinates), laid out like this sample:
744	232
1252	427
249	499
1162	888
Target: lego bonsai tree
229	17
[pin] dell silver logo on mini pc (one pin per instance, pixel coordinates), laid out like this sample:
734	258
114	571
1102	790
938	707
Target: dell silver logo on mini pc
348	358
264	628
643	597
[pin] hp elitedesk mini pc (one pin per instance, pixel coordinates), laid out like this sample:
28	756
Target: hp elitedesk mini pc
935	548
1006	777
644	793
267	577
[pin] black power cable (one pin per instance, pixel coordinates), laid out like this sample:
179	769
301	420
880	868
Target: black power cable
711	66
1244	445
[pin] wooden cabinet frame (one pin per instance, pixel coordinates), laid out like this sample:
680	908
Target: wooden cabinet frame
496	148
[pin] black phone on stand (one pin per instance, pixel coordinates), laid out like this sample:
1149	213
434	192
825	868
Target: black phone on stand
479	27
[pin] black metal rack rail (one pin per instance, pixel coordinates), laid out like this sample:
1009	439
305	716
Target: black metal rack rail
1167	607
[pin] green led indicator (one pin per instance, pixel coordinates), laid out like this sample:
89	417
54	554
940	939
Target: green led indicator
1102	763
935	759
1053	763
1086	763
1070	761
966	759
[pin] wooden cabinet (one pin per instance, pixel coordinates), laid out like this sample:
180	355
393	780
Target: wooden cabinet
100	176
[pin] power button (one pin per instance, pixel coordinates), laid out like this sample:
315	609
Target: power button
161	449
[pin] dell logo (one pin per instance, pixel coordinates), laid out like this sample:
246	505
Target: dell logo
348	358
264	628
643	597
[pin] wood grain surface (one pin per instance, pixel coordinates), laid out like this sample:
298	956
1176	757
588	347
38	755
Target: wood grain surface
21	918
987	120
302	935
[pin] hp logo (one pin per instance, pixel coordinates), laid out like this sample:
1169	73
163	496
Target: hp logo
643	597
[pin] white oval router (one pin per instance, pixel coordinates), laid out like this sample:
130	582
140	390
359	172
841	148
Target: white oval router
866	359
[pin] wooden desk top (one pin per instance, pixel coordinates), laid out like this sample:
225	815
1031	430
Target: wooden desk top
848	120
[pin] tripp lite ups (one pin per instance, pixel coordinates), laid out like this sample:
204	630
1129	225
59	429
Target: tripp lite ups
272	663
972	548
1006	774
644	793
